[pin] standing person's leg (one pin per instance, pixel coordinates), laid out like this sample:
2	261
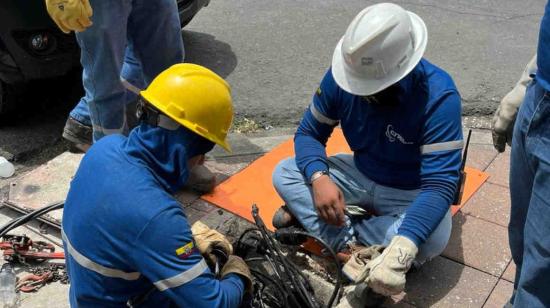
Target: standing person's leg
296	192
534	277
521	182
102	53
155	33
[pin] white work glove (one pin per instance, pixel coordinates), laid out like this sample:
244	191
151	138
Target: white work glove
207	240
505	115
70	15
386	273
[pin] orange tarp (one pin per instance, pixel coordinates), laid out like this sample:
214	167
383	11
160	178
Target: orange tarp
253	183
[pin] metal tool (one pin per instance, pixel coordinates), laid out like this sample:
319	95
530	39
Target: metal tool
20	248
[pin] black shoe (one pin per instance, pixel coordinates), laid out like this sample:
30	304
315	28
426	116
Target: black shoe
283	218
80	135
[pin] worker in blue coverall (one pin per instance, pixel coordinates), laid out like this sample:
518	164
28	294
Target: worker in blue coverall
124	42
528	105
401	116
126	237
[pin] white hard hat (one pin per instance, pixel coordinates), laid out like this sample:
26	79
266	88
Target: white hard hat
382	45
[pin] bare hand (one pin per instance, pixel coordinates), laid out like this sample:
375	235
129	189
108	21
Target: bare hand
329	201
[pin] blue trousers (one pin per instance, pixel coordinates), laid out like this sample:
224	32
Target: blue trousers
387	204
131	41
529	229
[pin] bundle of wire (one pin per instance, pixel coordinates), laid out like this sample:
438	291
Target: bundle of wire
28	217
281	283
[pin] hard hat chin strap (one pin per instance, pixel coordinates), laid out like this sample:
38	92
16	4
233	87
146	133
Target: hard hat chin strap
152	116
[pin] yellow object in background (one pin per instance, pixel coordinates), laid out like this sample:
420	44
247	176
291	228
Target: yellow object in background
196	98
70	15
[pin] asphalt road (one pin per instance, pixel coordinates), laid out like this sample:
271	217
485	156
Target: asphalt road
274	53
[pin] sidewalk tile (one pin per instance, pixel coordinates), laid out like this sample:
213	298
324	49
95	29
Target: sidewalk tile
491	203
193	214
499	170
510	272
187	196
479	136
227	166
480	156
500	295
479	244
445	283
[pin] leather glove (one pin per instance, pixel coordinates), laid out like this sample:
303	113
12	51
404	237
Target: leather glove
236	265
356	267
207	240
70	15
505	116
386	273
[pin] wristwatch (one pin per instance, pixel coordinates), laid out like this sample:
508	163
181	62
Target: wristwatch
317	175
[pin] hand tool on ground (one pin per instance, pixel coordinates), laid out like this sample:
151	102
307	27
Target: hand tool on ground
20	248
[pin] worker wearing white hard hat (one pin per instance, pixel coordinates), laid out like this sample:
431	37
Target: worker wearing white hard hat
401	116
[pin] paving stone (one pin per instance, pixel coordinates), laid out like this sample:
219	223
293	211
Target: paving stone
203	206
480	156
445	283
510	272
491	202
480	244
226	167
193	214
500	295
479	136
499	169
187	197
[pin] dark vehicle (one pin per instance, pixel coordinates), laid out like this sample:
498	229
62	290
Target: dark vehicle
32	47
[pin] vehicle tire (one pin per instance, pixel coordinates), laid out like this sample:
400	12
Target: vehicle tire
187	21
7	98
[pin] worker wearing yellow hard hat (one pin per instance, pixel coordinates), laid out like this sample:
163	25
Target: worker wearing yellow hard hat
143	250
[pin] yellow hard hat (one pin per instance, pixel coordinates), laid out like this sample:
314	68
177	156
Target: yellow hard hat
196	98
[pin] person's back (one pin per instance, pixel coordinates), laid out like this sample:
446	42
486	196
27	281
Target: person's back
126	237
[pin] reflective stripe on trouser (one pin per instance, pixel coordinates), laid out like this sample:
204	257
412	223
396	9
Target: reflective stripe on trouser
389	204
529	228
135	39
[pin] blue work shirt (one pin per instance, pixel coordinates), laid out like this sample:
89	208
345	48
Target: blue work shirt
124	233
412	142
543	52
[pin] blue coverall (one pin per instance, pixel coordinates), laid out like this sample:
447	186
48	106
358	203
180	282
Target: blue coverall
125	234
406	145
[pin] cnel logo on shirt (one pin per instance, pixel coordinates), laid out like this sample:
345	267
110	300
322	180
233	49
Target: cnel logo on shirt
393	135
185	250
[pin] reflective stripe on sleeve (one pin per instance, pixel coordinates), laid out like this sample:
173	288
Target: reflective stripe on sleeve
321	118
182	278
442	146
91	265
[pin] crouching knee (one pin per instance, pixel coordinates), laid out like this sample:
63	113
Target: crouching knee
436	243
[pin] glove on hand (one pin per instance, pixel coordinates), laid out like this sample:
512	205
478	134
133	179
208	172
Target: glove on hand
70	15
237	266
386	273
356	268
208	239
505	116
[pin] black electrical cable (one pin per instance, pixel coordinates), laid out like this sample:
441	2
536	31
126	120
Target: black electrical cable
304	294
28	217
339	276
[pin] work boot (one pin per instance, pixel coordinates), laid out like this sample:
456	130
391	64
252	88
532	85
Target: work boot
201	180
78	134
283	218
